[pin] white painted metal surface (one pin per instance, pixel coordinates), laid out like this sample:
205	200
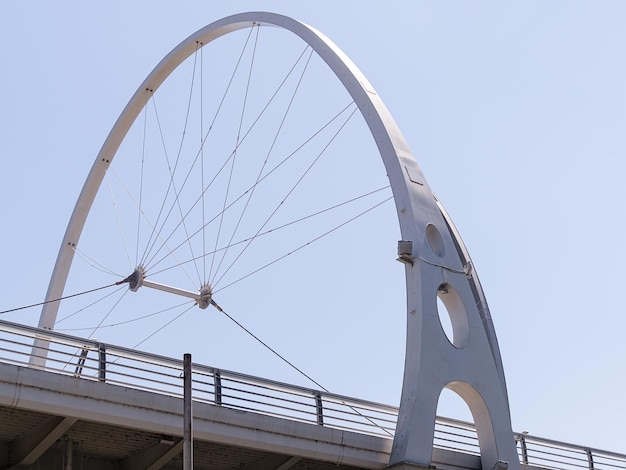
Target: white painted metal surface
438	265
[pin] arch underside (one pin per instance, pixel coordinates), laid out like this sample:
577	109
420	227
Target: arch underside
432	362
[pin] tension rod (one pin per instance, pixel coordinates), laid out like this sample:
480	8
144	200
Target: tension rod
203	298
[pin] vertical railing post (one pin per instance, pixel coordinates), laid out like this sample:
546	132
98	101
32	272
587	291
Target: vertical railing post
589	458
522	442
217	383
187	415
102	362
319	409
81	361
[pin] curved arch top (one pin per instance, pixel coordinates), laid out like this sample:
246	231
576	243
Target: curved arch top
390	141
431	362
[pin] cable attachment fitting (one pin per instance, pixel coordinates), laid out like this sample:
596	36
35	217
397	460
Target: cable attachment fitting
468	269
135	280
206	297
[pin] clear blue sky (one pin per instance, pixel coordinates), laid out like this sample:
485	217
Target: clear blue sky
515	111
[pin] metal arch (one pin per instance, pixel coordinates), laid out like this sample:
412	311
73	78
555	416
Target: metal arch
437	257
387	135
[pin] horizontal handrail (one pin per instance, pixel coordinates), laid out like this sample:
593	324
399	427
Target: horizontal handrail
90	359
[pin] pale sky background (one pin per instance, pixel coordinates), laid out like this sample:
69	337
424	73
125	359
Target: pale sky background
516	112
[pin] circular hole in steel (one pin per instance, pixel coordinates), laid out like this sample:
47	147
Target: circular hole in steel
435	240
452	316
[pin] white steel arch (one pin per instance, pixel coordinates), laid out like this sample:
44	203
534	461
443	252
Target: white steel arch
436	261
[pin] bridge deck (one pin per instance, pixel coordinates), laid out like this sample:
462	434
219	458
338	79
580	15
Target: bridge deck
114	425
111	407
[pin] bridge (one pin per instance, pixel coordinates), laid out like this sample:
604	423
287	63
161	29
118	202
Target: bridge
70	402
101	406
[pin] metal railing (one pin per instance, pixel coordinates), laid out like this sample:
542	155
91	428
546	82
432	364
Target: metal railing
93	360
556	455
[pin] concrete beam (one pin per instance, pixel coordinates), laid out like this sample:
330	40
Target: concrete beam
289	463
277	462
27	448
154	457
22	387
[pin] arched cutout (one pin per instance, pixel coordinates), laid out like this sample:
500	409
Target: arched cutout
486	430
457	426
452	405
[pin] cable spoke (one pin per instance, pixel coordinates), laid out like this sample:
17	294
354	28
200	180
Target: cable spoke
198	154
126	322
119	222
273	230
237	143
224	179
95	264
143	157
289	193
164	242
65	297
192	305
172	172
101	299
304	245
160	213
180	148
252	126
202	161
262	179
269	152
90	335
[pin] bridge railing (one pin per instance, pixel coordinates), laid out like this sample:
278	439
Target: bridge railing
90	359
557	455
